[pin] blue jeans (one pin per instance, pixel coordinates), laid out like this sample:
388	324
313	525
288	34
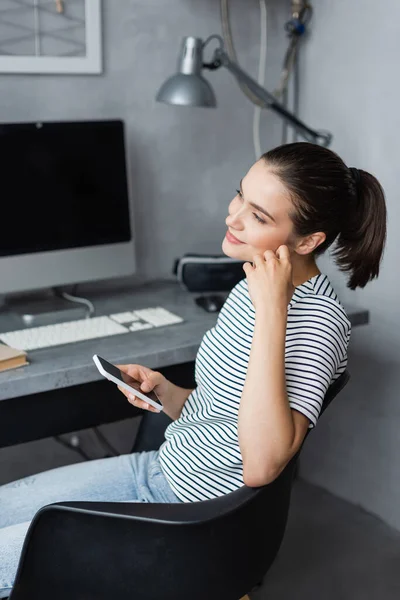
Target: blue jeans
133	477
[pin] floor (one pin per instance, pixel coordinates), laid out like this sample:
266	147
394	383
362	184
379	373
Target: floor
333	550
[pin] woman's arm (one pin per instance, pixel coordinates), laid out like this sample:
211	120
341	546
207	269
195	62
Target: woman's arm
179	396
270	432
269	435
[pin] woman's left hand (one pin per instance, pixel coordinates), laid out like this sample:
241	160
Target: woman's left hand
270	278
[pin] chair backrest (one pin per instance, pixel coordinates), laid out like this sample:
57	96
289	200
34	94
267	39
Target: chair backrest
334	389
331	393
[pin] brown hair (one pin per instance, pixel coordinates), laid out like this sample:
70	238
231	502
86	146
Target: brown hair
348	205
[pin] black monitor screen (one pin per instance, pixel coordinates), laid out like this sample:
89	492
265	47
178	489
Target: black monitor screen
63	185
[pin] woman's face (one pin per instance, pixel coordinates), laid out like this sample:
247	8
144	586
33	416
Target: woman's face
258	216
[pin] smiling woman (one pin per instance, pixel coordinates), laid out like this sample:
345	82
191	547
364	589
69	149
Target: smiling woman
292	205
263	370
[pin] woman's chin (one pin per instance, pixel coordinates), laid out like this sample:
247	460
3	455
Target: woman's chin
232	250
225	248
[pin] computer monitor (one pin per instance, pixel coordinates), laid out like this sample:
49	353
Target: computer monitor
65	209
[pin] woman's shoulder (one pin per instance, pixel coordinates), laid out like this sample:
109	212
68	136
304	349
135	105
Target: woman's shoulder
317	300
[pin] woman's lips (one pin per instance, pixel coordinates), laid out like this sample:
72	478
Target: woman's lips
231	238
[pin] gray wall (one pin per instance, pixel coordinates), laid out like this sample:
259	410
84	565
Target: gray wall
350	84
185	163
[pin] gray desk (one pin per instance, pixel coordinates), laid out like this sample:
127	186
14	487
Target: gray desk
61	390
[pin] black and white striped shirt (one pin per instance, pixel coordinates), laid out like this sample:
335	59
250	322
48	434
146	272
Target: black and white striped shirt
201	457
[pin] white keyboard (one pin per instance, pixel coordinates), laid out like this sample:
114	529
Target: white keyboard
33	338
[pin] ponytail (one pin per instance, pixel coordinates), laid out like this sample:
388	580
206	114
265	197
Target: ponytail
360	243
348	205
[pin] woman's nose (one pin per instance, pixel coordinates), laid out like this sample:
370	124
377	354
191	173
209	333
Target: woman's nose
234	220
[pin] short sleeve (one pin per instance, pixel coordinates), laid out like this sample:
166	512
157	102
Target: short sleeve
317	338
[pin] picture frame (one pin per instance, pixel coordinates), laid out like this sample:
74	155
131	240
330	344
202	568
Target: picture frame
90	62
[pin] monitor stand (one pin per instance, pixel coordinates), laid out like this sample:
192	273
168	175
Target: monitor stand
35	310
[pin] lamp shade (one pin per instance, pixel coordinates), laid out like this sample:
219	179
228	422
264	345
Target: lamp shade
187	90
188	87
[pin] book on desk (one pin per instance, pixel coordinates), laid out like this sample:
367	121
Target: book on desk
11	358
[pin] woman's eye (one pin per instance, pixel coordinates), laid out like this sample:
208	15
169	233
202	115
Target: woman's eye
258	218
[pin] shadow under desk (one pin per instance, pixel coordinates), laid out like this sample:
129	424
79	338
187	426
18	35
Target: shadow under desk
61	389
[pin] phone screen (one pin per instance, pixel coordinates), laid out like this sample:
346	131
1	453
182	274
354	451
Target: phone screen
134	383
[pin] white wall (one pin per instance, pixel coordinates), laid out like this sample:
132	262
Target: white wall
350	84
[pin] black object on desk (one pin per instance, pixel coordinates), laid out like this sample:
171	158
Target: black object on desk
208	273
211	303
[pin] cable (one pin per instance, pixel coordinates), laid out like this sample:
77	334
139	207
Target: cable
296	27
296	91
106	444
261	77
230	50
228	42
284	124
287	67
76	299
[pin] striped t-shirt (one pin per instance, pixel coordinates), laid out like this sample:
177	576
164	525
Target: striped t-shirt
201	457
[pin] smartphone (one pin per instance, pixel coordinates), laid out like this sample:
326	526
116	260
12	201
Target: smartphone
112	373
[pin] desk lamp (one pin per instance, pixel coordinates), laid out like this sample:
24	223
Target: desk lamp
189	88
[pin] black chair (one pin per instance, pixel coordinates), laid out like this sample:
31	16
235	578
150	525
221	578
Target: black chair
216	549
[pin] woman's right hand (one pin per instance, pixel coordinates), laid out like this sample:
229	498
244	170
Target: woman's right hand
150	380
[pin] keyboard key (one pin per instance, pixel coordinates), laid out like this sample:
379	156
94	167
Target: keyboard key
124	317
158	316
138	326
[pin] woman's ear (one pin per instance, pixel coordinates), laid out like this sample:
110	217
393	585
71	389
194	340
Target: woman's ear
309	243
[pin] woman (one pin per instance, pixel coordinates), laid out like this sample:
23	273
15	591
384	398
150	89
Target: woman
262	372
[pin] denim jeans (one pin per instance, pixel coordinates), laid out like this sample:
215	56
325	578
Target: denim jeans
133	477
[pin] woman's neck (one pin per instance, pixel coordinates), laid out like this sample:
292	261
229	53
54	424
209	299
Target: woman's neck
303	269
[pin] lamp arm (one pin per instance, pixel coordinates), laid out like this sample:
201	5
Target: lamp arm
222	59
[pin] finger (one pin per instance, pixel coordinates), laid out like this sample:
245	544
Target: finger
268	254
138	372
135	401
258	260
283	253
154	378
123	391
247	267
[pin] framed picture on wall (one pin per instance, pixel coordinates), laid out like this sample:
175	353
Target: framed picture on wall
50	36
